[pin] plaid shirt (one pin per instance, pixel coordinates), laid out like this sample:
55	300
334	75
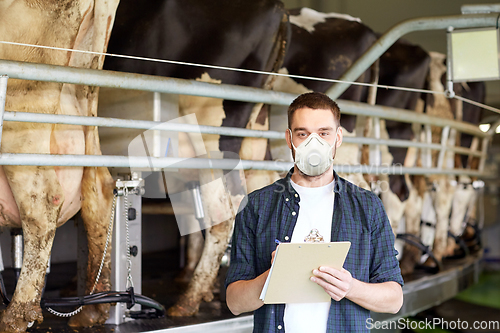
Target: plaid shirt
359	217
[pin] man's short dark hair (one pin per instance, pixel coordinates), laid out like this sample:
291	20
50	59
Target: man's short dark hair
313	100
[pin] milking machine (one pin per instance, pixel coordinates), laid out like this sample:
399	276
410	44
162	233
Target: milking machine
125	226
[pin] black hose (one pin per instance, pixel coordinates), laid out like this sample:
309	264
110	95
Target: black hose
156	309
415	241
110	297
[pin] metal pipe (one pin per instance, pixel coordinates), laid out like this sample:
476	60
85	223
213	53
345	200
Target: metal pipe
3	98
363	109
194	189
449	65
17	250
143	162
482	8
444	143
152	83
42	72
401	29
376	131
428	154
139	124
189	128
482	161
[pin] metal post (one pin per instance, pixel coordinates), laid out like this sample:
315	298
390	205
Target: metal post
444	143
376	156
3	98
428	153
449	66
484	149
119	272
157	117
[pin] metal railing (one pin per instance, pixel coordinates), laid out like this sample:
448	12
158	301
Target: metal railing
102	78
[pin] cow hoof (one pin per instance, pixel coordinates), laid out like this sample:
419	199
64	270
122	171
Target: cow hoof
184	308
17	317
90	315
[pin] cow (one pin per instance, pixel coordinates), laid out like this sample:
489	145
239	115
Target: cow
326	45
404	65
338	40
464	200
249	35
452	196
40	199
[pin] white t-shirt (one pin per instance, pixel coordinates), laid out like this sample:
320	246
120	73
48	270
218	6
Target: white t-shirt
316	210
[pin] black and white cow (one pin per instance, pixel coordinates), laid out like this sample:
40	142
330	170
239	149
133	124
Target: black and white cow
239	34
325	45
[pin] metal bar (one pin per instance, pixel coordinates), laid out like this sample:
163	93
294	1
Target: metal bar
493	128
444	142
449	65
3	98
42	72
148	163
484	148
189	128
376	131
363	109
401	29
157	118
139	124
482	8
152	83
428	154
407	143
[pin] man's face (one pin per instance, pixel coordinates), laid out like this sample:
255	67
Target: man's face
306	121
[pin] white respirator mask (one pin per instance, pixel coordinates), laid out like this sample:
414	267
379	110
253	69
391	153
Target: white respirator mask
314	155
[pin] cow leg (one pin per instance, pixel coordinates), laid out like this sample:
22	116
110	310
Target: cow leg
413	211
218	206
461	202
194	251
442	203
39	197
97	198
205	274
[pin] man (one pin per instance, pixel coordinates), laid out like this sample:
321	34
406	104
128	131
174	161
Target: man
312	196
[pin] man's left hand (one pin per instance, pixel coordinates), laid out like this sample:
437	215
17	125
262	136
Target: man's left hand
336	283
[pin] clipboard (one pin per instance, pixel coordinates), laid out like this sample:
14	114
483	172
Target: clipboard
289	278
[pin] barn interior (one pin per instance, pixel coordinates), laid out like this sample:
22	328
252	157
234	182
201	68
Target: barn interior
466	288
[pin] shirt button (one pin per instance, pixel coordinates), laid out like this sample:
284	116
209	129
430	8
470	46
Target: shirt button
286	199
287	238
280	327
296	195
293	213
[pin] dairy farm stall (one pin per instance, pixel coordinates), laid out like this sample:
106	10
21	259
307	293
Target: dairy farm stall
181	134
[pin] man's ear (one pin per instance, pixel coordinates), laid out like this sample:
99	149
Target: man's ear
288	137
340	136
